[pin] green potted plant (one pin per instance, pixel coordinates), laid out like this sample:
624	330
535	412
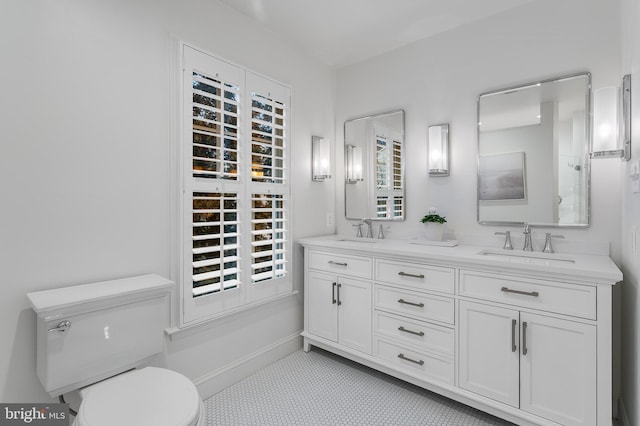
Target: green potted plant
434	225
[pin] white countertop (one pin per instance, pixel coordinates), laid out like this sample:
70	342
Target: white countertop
588	267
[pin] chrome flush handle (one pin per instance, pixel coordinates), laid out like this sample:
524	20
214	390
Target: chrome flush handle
61	327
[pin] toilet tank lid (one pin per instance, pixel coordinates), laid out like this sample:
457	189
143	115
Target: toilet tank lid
47	301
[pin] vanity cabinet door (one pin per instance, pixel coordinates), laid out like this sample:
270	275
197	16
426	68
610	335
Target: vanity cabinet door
340	309
322	309
558	369
355	314
489	355
543	365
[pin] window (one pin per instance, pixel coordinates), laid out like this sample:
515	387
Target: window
234	162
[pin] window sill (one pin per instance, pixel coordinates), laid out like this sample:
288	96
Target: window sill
175	333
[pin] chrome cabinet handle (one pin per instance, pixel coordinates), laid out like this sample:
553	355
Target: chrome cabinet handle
61	327
404	274
524	338
417	333
339	301
420	362
513	335
333	293
526	293
333	262
404	302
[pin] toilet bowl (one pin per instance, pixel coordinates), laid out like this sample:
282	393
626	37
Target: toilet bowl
149	396
99	339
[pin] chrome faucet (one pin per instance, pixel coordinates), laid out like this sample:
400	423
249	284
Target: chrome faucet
527	238
368	222
507	240
358	227
548	248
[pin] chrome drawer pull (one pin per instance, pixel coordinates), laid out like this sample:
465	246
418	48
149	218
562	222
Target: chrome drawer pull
417	333
401	356
332	262
526	293
404	274
404	302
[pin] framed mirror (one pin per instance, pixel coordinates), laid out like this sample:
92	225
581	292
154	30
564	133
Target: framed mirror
533	153
374	167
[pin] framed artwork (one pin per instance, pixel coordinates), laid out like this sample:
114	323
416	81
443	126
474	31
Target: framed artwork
502	177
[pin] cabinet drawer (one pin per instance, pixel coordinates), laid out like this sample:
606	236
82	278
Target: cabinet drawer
414	304
551	296
424	335
413	275
356	266
416	363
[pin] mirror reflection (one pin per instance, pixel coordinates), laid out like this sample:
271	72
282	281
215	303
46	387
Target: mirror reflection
533	161
374	167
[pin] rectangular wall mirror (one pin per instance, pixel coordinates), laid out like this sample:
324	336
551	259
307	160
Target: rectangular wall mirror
374	167
533	153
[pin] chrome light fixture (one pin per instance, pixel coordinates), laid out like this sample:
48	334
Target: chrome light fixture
354	164
320	158
438	150
612	127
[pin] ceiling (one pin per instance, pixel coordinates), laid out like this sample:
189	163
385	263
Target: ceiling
343	32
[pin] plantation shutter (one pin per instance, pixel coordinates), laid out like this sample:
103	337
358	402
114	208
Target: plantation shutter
397	209
235	188
215	243
389	174
269	195
215	127
212	186
268	229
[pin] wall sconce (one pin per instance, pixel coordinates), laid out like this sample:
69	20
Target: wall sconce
612	130
438	150
354	164
320	158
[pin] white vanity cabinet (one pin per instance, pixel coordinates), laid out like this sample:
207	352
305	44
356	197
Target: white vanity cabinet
527	339
338	305
542	360
542	365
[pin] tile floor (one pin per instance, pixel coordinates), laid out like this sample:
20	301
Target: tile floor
319	388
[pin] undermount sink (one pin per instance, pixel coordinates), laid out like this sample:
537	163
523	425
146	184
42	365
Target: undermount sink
527	257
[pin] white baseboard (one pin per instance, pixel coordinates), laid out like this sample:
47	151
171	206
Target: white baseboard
223	377
622	414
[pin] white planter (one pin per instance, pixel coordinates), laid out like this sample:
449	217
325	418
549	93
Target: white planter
433	231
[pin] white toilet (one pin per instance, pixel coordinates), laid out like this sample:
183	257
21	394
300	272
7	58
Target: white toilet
98	339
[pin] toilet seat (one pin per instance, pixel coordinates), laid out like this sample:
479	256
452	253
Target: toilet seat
149	396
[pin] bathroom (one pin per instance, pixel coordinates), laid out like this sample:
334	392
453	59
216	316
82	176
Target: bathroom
87	162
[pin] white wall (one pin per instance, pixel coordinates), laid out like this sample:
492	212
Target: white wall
438	80
85	161
630	391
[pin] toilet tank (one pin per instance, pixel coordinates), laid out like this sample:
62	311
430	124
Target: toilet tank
89	332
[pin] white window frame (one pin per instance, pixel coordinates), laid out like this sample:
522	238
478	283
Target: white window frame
194	310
